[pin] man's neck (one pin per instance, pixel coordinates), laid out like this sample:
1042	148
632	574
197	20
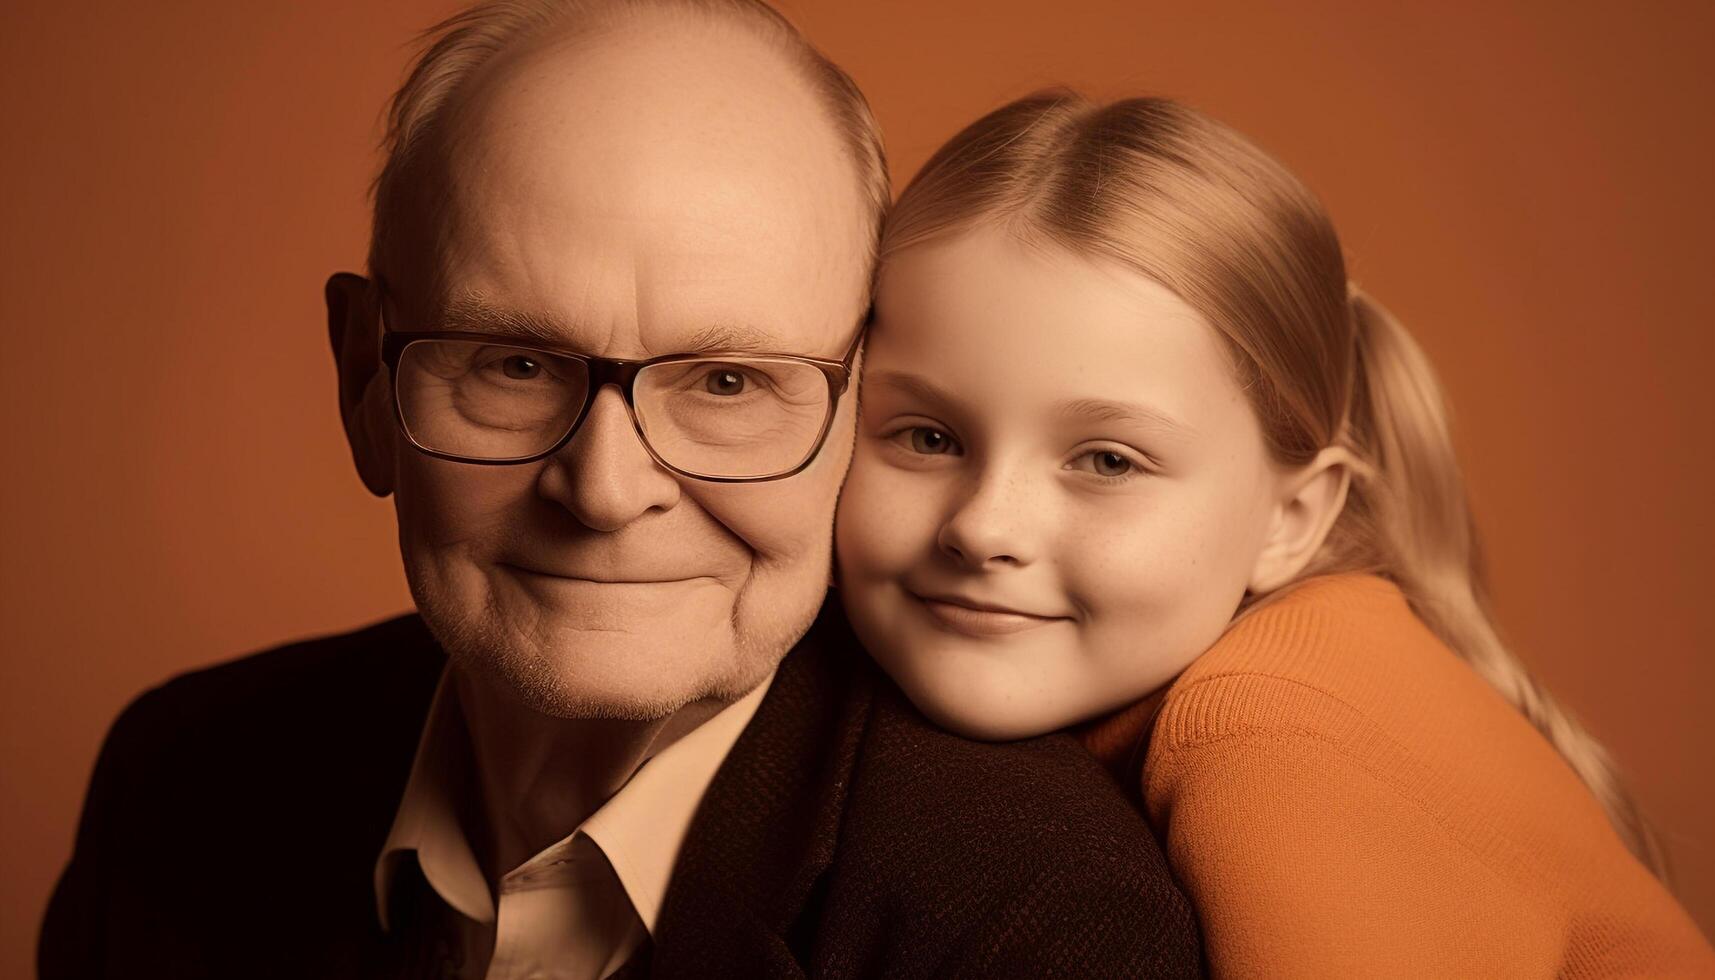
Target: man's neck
537	777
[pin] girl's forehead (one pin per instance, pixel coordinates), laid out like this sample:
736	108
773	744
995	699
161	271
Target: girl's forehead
995	318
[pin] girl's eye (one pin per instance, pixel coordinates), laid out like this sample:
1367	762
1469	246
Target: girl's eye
723	382
1105	463
520	368
1110	464
931	441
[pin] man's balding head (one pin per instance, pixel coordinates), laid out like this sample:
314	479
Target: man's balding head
459	51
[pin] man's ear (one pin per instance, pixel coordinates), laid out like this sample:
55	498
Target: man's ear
365	403
1310	500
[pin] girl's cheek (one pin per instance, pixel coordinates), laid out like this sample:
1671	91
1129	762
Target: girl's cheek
1136	569
874	520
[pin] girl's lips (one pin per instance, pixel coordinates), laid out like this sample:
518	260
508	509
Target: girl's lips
982	622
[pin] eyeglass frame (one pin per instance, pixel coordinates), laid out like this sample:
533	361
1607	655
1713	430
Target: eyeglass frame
622	374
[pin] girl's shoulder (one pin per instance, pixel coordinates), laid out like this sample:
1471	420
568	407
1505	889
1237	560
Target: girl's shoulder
1341	658
1332	781
1342	685
1326	631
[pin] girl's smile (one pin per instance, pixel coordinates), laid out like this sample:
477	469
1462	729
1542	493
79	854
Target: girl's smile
976	618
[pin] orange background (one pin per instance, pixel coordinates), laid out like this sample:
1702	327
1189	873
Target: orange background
1526	184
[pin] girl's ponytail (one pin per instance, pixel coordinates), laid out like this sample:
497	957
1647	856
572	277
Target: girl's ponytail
1407	501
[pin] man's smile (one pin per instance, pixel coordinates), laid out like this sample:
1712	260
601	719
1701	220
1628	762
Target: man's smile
598	577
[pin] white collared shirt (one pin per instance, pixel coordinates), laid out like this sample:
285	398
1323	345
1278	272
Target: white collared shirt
579	908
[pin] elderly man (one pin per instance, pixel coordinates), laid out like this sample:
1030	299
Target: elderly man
621	262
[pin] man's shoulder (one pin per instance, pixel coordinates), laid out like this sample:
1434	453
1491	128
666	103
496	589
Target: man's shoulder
1038	804
847	836
280	671
1024	845
302	678
238	805
210	743
916	785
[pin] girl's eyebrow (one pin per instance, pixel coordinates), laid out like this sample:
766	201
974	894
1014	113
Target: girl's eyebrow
1080	409
1125	413
910	385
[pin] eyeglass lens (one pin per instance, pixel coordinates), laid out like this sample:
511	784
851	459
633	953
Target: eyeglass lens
723	417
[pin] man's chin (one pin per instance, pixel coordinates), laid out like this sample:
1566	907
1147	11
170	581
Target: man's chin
617	680
575	698
575	649
636	675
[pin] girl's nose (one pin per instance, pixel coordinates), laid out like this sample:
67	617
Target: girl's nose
992	528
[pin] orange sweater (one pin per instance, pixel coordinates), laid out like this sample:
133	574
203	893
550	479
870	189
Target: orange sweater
1342	796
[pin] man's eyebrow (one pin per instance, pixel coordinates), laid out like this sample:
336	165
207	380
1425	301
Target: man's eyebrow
1126	413
737	338
478	316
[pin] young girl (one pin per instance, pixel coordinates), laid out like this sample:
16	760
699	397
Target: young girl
1126	428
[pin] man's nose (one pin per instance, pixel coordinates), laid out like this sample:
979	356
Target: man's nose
994	526
604	475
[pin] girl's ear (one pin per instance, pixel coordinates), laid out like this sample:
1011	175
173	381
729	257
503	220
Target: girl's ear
1309	502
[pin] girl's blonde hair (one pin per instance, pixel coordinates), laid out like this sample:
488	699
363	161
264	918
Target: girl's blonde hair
1191	204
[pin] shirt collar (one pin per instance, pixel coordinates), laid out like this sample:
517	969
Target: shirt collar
639	829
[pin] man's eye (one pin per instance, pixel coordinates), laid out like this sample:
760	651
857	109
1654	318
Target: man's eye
931	442
724	382
520	368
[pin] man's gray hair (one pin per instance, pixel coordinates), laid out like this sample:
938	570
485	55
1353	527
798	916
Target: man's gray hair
457	48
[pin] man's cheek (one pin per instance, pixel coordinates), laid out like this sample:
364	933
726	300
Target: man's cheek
780	519
440	507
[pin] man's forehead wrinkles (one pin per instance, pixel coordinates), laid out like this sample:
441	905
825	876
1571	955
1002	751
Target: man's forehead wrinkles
481	315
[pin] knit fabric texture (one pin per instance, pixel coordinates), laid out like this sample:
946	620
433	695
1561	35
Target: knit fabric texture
846	836
1342	795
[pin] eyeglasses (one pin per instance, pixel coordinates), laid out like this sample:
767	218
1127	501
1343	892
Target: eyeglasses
726	418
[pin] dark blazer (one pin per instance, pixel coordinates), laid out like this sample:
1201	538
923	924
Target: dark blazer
235	815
